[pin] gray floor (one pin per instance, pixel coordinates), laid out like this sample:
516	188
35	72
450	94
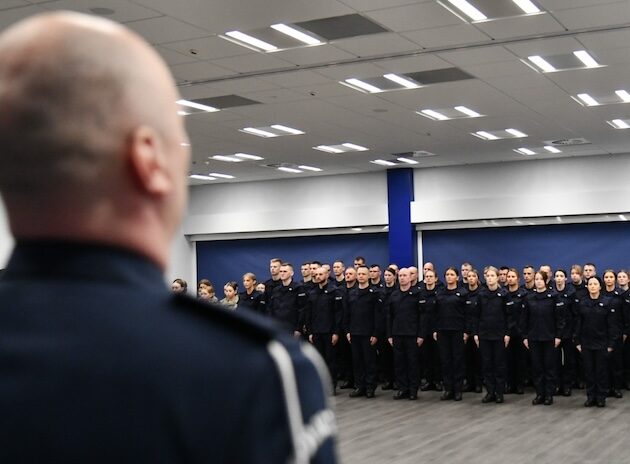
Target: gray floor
382	430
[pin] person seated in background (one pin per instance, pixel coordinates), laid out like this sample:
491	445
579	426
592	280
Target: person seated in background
230	290
209	293
179	286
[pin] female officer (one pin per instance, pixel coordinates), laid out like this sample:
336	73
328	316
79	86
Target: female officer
472	354
542	321
491	330
517	353
615	359
566	353
451	333
596	332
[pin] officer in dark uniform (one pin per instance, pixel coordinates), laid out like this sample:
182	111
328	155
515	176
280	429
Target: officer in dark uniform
250	298
287	301
566	353
323	318
345	352
99	362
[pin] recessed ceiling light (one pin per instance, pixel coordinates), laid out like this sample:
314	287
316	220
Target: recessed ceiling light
296	34
467	111
541	63
198	106
625	96
622	217
328	149
587	99
248	39
222	176
185	144
229	159
619	123
352	146
248	157
469	10
527	6
310	168
434	115
200	177
258	132
356	229
408	160
587	59
182	113
516	133
289	130
524	151
383	162
486	135
363	85
409	84
291	170
551	149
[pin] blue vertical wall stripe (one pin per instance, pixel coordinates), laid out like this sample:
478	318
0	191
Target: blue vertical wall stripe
402	235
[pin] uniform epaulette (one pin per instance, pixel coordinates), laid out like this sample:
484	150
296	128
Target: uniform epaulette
247	324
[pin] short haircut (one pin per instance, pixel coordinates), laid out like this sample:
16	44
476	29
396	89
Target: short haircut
317	263
249	275
360	258
563	271
275	260
515	271
287	265
375	265
307	263
504	268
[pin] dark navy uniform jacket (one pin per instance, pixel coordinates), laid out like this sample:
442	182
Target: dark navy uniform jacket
542	318
100	363
517	298
325	309
251	301
452	310
493	314
616	300
404	313
569	298
596	325
287	305
363	312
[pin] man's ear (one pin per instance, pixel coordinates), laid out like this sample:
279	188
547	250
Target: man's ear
147	159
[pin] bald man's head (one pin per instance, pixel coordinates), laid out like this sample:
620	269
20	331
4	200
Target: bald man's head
88	122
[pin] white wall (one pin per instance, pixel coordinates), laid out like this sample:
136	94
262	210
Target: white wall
6	239
288	204
183	261
558	187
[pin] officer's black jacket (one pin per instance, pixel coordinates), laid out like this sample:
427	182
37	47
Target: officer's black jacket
270	284
542	318
517	298
100	363
616	301
251	301
452	310
625	308
492	318
580	289
287	305
363	312
527	290
403	313
596	325
325	309
428	302
568	297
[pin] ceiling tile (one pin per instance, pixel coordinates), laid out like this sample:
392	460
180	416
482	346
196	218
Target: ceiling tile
208	48
252	62
297	79
525	26
553	5
314	55
475	56
421	62
198	70
414	17
445	36
503	68
165	29
595	16
380	44
124	11
543	47
172	58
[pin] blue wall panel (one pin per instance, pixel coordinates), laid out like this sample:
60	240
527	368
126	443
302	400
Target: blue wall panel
224	260
607	245
402	234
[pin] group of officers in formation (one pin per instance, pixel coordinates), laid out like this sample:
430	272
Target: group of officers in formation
556	331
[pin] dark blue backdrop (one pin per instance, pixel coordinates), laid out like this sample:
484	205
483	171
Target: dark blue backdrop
224	260
607	245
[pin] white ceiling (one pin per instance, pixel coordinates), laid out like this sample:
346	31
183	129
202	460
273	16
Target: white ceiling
300	88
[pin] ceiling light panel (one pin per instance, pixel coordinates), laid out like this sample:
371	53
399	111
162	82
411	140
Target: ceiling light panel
221	176
341	148
579	59
586	99
620	123
411	80
499	134
201	177
444	114
191	107
531	151
297	34
274	38
275	130
477	11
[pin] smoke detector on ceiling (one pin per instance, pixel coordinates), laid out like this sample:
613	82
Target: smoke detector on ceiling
567	142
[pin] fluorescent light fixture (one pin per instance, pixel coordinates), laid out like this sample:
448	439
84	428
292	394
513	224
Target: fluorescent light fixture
258	132
408	160
248	39
352	146
435	115
197	106
525	151
551	149
248	157
356	229
221	176
619	124
383	162
289	130
467	111
298	35
541	63
183	113
516	133
185	144
622	217
486	135
401	81
363	85
469	10
200	177
292	170
328	149
229	159
527	6
585	58
310	168
587	99
625	96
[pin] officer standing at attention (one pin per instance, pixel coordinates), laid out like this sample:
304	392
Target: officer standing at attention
288	301
105	364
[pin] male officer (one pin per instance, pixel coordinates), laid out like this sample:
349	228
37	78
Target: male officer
102	364
339	269
288	301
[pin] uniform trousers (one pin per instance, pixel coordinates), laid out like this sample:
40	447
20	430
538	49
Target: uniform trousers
451	345
385	359
615	366
473	365
566	364
323	344
516	362
430	361
344	359
364	363
544	367
493	356
406	364
596	373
